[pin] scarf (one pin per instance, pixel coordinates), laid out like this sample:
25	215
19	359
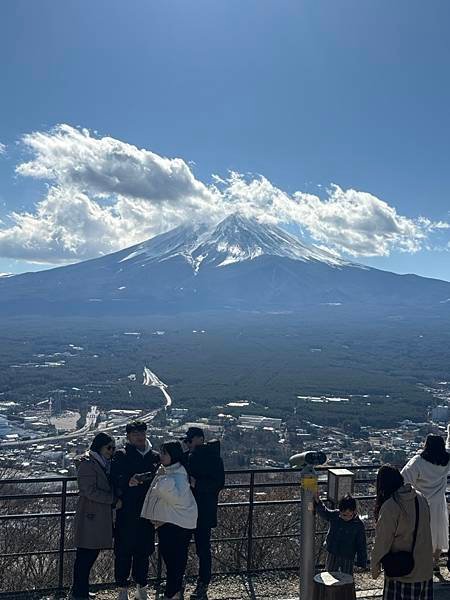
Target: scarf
104	462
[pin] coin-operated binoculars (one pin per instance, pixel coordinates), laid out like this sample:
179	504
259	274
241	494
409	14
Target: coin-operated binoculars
306	461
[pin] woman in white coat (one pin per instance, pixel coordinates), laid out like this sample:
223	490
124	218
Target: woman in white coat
171	507
428	472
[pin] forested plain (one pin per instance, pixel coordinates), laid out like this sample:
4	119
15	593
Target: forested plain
381	361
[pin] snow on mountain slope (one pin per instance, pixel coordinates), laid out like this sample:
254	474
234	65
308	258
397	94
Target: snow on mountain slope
238	264
235	239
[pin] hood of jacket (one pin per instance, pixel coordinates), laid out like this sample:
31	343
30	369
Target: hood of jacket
130	448
81	458
172	469
208	449
405	494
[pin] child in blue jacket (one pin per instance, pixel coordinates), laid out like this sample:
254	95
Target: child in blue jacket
346	537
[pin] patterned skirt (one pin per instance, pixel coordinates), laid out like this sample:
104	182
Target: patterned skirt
397	590
338	563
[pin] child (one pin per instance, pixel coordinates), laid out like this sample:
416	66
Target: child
346	535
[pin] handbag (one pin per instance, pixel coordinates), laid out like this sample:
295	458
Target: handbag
399	564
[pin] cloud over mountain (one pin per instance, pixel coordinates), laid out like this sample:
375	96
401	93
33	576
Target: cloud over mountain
104	194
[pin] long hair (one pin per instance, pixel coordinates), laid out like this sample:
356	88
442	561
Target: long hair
389	480
174	450
434	450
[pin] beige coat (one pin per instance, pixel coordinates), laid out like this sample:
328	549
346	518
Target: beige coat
93	526
395	529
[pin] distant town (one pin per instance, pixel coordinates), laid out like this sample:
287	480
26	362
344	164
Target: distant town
42	440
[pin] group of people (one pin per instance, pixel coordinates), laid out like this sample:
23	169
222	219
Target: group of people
125	496
412	525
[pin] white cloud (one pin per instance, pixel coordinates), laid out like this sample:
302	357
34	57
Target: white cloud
359	224
2	149
104	195
108	167
348	222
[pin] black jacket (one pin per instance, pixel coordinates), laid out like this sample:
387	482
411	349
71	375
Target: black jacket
206	466
125	464
345	538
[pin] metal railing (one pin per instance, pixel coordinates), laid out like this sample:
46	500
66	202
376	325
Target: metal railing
234	490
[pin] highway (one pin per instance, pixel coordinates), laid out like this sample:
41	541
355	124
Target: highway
153	380
91	426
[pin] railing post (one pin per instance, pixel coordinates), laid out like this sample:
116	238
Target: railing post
62	536
250	523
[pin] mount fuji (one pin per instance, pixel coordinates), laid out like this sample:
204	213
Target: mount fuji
239	264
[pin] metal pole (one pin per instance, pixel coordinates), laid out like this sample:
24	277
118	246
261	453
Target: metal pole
62	536
308	481
250	523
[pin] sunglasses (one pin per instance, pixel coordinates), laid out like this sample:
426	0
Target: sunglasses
110	447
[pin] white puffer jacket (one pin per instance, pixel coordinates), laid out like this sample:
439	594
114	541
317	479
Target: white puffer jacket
170	499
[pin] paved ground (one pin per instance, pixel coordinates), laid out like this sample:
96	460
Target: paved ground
267	586
272	586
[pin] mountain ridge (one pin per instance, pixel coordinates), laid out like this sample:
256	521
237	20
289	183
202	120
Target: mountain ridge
239	264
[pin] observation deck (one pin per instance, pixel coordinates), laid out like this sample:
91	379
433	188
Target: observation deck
255	546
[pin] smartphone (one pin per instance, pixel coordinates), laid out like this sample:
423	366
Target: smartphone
143	477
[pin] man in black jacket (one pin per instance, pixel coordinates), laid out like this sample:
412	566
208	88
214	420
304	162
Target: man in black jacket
132	471
207	477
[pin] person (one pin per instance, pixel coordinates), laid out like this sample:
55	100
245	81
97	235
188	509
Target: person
171	507
395	514
346	537
207	478
93	526
132	471
428	472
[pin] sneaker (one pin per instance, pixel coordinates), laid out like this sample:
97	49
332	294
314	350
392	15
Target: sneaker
200	592
123	594
141	592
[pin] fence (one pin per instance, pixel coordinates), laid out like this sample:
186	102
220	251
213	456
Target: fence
258	527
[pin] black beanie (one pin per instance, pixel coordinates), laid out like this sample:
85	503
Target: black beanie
100	440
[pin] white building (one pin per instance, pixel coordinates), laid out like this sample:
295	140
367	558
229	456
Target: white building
259	422
440	414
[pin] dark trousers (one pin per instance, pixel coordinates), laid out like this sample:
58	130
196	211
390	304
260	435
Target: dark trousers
134	542
174	546
84	561
202	537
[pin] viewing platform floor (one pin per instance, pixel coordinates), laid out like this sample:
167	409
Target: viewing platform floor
276	586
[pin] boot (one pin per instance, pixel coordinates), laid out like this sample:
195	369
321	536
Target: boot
141	592
200	592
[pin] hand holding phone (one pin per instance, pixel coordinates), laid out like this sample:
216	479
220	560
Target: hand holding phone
143	477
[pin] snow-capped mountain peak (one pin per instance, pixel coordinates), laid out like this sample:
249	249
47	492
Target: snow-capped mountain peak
238	264
233	240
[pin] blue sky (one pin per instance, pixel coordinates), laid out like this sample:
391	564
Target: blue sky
306	94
